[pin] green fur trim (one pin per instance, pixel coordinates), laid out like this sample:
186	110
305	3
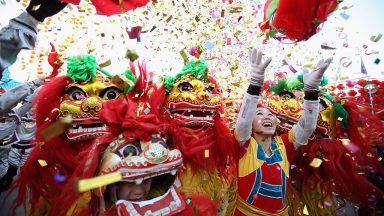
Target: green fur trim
324	81
327	96
341	115
339	110
300	77
132	80
197	68
272	7
169	81
82	68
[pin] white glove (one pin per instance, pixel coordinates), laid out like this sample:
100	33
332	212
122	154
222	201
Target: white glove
312	80
258	67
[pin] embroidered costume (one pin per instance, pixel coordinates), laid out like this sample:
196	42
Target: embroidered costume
264	177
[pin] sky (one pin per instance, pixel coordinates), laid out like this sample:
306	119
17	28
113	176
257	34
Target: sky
349	30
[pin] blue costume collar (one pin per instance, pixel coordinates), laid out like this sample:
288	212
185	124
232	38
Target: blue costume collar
274	158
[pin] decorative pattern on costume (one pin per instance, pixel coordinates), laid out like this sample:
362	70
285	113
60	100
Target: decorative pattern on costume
83	101
193	98
263	188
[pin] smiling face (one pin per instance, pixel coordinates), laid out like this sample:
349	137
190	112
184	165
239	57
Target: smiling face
148	170
133	192
264	122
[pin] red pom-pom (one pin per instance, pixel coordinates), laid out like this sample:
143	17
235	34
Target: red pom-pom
362	91
349	84
376	82
340	86
362	82
352	93
341	94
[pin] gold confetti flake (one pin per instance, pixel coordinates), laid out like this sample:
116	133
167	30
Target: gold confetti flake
316	162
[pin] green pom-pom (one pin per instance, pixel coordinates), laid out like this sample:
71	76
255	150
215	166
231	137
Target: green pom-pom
130	76
293	83
82	68
197	68
169	81
279	87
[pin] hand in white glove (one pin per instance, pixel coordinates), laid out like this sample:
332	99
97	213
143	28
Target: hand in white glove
258	67
312	80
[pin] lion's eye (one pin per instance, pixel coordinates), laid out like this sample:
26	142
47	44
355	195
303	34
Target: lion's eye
77	94
111	94
185	86
129	149
286	95
209	89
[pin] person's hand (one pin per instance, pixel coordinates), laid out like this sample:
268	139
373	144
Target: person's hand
258	67
312	80
41	9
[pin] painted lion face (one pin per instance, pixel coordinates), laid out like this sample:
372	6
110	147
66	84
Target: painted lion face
193	101
138	160
288	108
152	164
82	101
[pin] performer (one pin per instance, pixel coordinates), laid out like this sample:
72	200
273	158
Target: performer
10	120
22	31
263	167
148	165
25	132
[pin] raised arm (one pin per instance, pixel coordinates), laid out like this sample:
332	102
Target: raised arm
306	125
12	97
21	31
251	97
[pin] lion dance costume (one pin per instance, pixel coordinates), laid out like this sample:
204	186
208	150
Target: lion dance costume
76	98
141	153
194	111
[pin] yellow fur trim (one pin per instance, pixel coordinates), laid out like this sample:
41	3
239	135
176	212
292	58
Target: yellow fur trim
202	182
249	210
81	203
291	136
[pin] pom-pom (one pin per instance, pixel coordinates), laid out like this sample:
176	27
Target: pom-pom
82	68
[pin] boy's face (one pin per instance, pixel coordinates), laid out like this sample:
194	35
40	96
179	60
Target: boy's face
131	191
264	122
